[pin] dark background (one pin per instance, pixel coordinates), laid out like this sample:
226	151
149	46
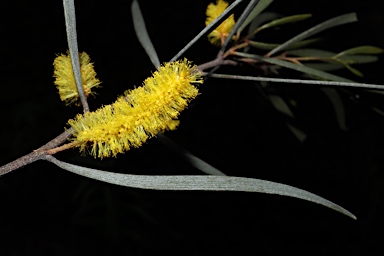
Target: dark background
45	210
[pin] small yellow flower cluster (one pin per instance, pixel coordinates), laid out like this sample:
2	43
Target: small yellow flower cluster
65	80
140	113
218	36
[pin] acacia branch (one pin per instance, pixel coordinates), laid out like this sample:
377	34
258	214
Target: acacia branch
52	146
36	154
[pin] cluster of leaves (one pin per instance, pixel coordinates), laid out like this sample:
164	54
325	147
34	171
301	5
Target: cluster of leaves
267	57
297	54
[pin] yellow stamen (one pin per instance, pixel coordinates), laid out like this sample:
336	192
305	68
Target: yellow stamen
140	113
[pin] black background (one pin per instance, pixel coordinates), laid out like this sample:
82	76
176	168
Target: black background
45	210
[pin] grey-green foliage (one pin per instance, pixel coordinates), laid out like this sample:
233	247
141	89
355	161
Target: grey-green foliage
208	183
196	182
339	20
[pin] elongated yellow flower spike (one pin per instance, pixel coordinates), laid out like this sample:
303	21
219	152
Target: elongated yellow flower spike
140	113
217	36
65	80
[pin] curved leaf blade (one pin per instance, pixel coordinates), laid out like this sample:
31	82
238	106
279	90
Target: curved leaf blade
248	9
70	26
205	183
254	13
359	59
339	20
338	106
270	46
299	134
280	105
189	157
285	20
325	66
142	34
262	45
301	68
365	49
354	71
311	52
260	19
307	70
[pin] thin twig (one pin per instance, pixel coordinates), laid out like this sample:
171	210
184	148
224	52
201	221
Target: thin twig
208	29
61	148
36	154
239	22
22	161
58	140
216	62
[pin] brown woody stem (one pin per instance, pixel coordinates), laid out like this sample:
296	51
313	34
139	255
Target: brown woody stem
36	154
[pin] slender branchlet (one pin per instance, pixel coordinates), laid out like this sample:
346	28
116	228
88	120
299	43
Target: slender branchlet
36	154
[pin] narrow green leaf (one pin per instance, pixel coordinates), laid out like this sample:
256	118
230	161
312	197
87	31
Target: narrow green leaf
358	59
260	19
324	66
303	43
270	46
301	68
142	34
262	46
310	71
366	49
189	157
248	9
299	134
375	91
378	111
333	63
354	71
254	13
280	105
285	20
338	106
343	19
257	22
310	52
207	183
70	26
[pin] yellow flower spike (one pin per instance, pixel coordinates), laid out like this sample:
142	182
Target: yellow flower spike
65	80
140	113
217	36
